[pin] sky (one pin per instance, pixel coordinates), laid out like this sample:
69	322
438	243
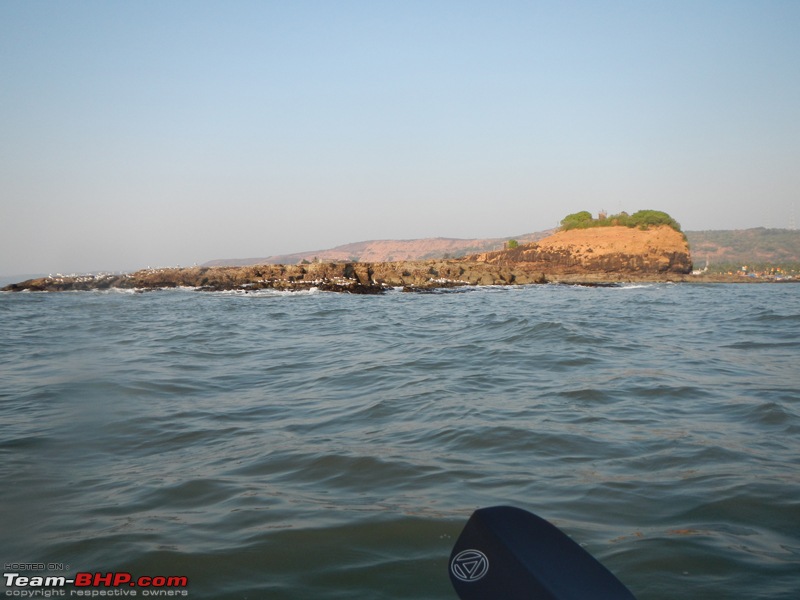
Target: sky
162	133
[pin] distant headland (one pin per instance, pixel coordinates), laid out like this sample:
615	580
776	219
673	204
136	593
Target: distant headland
607	250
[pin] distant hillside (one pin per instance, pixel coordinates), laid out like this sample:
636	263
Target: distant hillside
757	248
387	251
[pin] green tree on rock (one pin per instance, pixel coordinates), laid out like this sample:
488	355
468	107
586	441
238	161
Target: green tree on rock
643	219
578	220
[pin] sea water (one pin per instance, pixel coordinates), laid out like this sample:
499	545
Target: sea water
320	445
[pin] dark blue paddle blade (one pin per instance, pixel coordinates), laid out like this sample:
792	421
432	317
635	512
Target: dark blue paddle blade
506	553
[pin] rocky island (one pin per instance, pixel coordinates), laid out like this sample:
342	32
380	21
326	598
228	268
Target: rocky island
587	254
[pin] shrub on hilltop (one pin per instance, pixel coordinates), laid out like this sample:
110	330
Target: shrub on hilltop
642	219
578	220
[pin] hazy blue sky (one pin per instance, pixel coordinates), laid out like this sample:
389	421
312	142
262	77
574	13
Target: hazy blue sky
168	132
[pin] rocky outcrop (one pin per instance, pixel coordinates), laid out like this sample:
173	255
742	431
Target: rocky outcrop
360	278
593	256
599	250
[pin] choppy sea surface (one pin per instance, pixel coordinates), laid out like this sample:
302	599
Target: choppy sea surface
320	445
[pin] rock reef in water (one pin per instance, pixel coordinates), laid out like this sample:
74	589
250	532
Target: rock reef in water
591	256
359	278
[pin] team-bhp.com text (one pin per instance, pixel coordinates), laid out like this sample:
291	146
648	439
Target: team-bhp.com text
94	585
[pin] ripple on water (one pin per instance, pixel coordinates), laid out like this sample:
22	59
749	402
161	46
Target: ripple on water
332	446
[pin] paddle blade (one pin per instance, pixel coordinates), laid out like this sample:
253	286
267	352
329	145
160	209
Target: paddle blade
506	553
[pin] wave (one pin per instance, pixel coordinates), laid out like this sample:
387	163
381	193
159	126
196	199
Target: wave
333	446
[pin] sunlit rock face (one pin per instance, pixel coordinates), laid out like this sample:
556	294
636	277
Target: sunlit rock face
618	250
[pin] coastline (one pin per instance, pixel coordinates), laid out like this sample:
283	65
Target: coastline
365	278
603	256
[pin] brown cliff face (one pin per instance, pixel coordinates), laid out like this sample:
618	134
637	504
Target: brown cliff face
620	250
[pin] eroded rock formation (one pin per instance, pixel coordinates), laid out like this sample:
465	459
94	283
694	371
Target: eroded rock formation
618	250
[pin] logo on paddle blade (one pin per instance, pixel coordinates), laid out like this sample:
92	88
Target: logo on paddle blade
469	565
